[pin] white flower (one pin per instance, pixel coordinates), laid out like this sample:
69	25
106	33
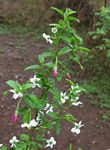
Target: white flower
13	141
51	142
1	145
38	118
54	30
33	123
64	97
35	81
76	88
76	128
76	103
76	98
78	91
48	39
25	125
16	94
48	108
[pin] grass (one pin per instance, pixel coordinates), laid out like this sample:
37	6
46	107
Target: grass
24	31
100	87
98	90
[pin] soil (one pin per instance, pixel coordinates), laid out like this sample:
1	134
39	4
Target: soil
16	53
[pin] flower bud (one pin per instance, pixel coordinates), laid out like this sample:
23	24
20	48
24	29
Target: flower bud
55	72
15	116
68	76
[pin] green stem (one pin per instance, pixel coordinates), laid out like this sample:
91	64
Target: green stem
50	121
45	91
56	61
17	107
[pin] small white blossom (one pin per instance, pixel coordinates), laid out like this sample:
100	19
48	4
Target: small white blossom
76	88
51	142
76	128
76	103
25	125
1	145
54	30
48	39
64	97
33	123
13	141
16	94
35	81
48	108
76	98
78	91
38	118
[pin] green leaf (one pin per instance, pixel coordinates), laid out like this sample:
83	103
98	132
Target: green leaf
64	50
70	30
56	25
5	93
66	39
70	118
58	127
27	116
22	110
33	67
84	49
3	148
40	138
21	146
13	84
78	38
69	11
49	65
26	86
70	147
44	55
53	115
56	95
25	137
31	100
70	18
58	10
108	53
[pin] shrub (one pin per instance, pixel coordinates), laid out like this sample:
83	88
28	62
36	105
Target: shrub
44	111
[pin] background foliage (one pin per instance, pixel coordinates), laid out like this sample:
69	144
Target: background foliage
36	12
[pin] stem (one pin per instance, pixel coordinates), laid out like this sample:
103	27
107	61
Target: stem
50	121
56	61
70	146
44	91
27	147
17	107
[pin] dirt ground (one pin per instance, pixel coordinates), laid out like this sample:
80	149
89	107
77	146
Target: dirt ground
16	53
